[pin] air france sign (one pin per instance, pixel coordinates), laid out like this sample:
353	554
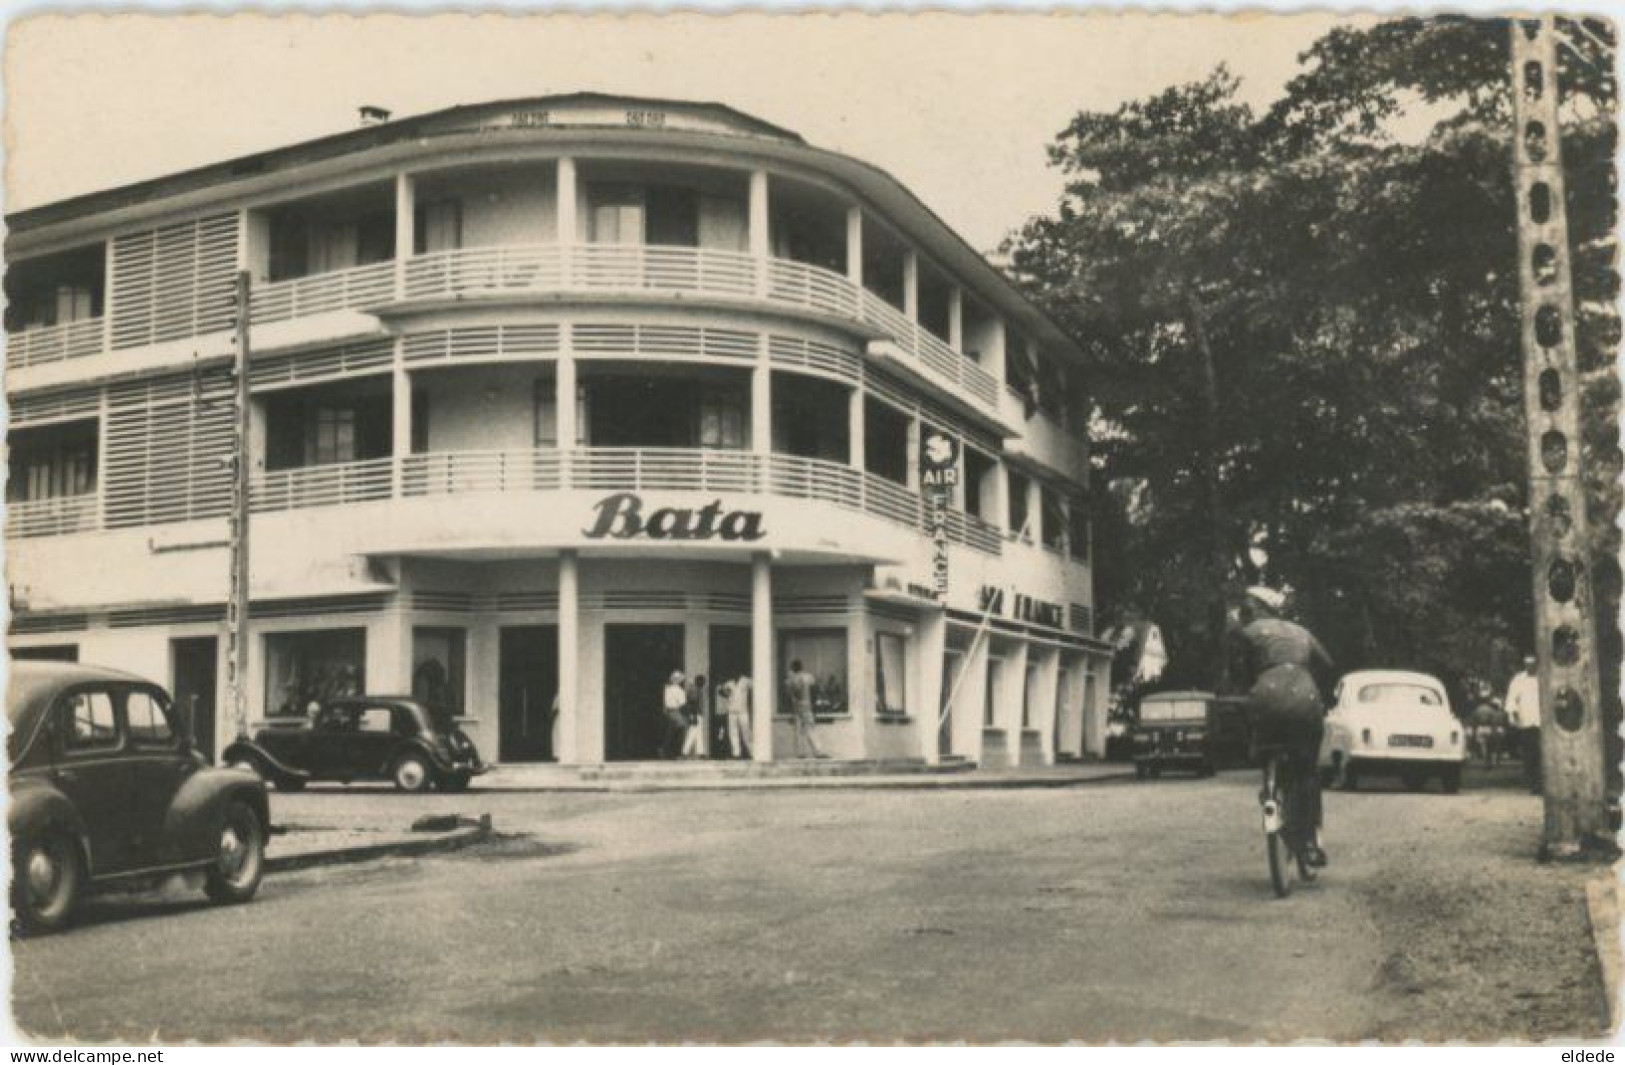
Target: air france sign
939	472
621	517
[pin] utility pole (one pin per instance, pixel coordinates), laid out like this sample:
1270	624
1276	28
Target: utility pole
1565	635
237	597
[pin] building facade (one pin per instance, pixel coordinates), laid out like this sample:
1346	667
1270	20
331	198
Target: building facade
550	398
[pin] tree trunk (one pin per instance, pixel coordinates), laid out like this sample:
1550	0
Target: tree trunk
1212	499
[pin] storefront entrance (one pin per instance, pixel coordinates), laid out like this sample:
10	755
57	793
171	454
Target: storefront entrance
730	659
528	681
637	661
194	667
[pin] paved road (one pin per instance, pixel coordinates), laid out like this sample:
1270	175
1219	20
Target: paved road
1129	911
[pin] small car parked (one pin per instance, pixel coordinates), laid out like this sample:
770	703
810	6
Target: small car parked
1392	723
362	738
1188	730
107	789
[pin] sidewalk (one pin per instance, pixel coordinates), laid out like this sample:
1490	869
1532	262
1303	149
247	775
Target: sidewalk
724	775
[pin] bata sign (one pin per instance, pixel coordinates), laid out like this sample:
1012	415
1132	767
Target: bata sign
621	517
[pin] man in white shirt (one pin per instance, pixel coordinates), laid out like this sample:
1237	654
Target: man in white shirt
1523	718
736	704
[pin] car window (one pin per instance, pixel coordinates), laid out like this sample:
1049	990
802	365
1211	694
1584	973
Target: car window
146	720
335	719
375	719
1400	693
90	722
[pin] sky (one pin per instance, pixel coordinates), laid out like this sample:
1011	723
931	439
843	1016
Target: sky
959	107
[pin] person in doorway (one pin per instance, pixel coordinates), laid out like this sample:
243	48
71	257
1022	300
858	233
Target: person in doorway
798	689
1523	719
737	708
673	703
694	712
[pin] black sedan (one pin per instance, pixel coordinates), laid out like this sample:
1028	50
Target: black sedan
362	738
107	789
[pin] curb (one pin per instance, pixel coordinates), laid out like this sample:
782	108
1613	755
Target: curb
1602	911
946	783
468	833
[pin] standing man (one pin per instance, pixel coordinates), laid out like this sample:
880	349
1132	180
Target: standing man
673	703
799	687
736	704
1523	718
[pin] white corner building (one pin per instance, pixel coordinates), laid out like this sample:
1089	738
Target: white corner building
550	398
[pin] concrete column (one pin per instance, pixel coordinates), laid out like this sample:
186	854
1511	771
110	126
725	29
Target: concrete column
1043	719
758	230
578	740
400	424
564	214
389	648
564	399
993	357
857	452
1035	510
930	643
854	245
911	285
1094	700
764	679
761	402
405	228
913	453
969	701
956	318
1001	497
1007	714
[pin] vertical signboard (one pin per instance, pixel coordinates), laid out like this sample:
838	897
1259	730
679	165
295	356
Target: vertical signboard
939	473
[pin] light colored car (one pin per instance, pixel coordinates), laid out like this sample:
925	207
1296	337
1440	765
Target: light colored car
1395	724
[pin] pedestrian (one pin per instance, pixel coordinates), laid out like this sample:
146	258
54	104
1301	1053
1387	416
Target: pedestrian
798	686
1523	712
737	709
694	713
673	703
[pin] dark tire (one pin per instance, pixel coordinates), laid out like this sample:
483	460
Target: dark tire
454	782
239	862
1450	782
47	877
411	773
1280	864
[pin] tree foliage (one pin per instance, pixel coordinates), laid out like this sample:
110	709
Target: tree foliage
1348	255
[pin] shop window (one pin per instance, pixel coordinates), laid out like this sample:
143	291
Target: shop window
305	669
821	652
439	664
1020	485
52	462
891	684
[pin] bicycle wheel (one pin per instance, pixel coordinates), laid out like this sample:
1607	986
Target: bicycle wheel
1280	855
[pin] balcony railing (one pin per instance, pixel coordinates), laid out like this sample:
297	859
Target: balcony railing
53	517
689	271
323	486
337	290
602	469
53	343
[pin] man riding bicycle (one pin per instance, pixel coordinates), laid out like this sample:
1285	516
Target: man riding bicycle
1277	660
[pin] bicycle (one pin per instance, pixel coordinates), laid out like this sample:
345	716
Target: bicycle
1286	853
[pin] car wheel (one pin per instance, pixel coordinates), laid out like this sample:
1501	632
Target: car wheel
239	861
1347	778
47	875
454	782
1451	781
411	773
242	761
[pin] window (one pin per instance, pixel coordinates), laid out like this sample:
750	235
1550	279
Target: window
1051	518
305	668
891	685
617	215
438	665
147	721
332	437
1078	530
821	652
52	462
885	432
722	418
437	226
1020	485
91	725
374	719
978	473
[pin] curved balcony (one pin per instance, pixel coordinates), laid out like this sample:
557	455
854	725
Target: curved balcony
336	290
611	469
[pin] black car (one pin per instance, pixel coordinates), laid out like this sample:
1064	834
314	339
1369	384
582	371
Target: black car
107	789
1191	730
363	738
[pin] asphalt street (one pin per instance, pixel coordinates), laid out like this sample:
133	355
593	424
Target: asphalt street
1131	910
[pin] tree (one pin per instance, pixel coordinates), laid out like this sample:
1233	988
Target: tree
1344	264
